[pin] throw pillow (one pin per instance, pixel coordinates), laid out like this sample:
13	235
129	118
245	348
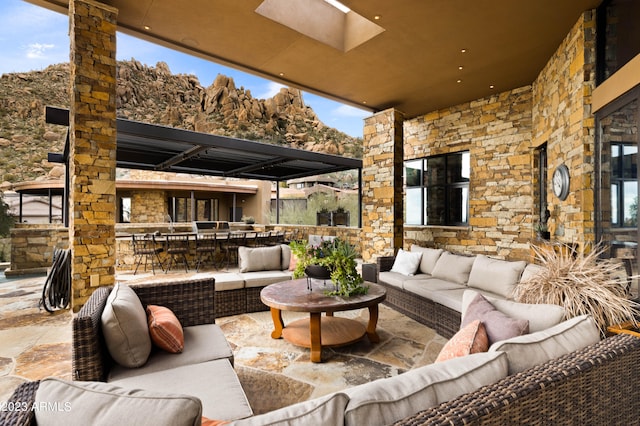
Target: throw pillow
252	259
498	325
406	263
125	329
453	267
165	329
469	340
429	257
210	422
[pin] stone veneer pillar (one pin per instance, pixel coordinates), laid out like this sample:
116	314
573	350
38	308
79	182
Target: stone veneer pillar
92	154
382	192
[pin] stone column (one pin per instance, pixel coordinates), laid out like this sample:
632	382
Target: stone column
382	194
92	154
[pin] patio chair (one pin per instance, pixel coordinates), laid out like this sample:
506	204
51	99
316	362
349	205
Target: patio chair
145	246
206	246
177	247
231	244
263	239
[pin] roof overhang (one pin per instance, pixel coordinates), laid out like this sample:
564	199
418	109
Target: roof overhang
413	65
168	149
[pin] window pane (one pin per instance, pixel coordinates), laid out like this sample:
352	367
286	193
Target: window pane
458	201
413	210
458	167
436	206
614	204
629	161
436	171
615	161
413	173
630	204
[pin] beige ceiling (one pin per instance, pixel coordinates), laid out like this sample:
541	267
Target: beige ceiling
413	65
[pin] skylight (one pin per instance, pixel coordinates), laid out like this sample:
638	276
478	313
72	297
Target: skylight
327	21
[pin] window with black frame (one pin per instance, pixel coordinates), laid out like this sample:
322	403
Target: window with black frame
437	190
624	184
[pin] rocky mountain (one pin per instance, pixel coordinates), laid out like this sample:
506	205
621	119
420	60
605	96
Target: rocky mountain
155	95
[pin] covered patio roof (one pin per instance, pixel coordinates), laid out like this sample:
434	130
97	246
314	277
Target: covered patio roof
160	148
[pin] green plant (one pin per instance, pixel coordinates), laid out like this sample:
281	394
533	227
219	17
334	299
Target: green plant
338	256
582	284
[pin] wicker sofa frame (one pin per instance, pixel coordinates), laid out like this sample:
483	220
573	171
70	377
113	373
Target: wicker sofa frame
593	386
192	301
445	321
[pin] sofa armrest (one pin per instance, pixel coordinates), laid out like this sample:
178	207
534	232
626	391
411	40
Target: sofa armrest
191	301
18	411
385	263
370	272
89	356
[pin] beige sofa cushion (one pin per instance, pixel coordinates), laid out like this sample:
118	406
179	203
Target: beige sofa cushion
496	276
532	349
540	316
531	271
98	403
125	329
202	343
453	267
286	256
214	383
385	401
325	410
260	258
429	257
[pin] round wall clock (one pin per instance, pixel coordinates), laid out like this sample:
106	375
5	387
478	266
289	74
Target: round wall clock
560	182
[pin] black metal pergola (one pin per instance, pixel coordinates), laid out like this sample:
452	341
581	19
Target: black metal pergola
160	148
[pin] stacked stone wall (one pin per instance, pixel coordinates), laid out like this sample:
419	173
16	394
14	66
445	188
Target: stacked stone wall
496	131
382	196
92	158
562	118
148	206
32	247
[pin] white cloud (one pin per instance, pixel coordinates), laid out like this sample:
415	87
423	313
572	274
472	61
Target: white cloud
37	50
272	89
349	111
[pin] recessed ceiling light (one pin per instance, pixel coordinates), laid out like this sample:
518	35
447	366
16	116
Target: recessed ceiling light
460	67
146	27
364	102
281	74
459	81
491	87
463	50
377	17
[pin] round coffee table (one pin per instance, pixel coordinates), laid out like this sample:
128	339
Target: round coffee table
319	331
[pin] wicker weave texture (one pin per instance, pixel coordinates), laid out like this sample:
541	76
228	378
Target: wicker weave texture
18	409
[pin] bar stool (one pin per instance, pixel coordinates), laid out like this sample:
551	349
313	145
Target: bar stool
177	246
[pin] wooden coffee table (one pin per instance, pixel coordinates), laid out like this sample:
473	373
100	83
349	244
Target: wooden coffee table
319	331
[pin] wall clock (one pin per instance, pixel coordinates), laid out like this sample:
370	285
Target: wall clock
560	182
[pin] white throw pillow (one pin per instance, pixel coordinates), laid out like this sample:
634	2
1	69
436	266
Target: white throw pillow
83	403
125	329
540	316
406	262
532	349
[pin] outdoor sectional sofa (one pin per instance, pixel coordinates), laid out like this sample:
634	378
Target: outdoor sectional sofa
432	293
575	378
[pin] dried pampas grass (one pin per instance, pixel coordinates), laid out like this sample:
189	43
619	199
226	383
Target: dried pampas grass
582	284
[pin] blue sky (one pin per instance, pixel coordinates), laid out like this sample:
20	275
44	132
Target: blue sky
33	38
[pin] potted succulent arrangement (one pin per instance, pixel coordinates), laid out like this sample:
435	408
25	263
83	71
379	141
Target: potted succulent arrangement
331	259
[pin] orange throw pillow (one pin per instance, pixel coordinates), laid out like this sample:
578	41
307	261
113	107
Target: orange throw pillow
209	422
469	340
165	329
